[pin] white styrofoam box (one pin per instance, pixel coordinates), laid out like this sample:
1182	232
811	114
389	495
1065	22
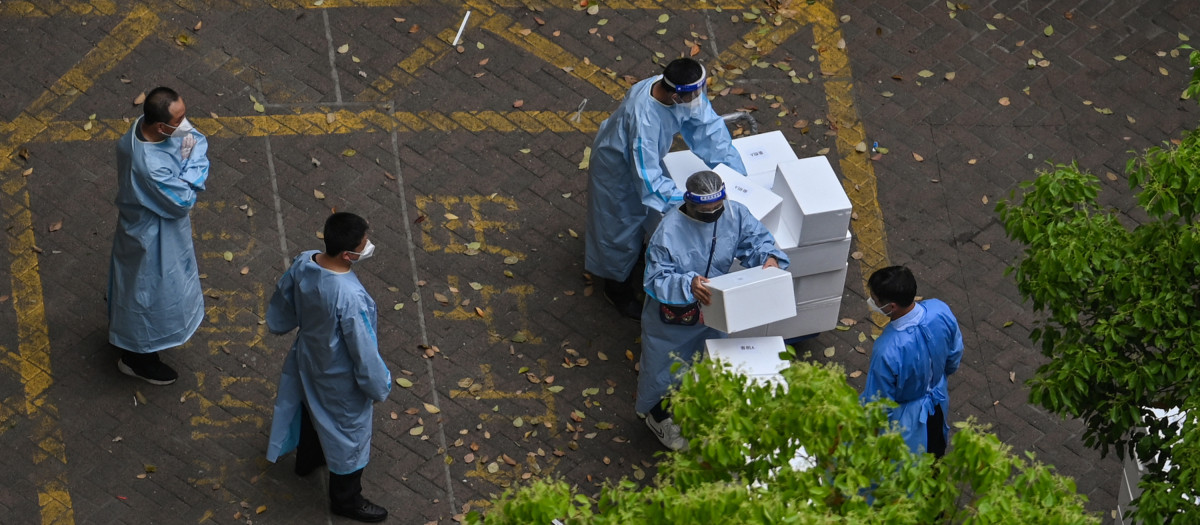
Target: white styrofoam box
762	203
811	318
751	356
785	235
759	200
819	286
757	331
750	298
681	165
815	206
817	258
762	153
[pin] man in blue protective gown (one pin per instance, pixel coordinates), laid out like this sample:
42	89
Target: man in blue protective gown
917	350
154	297
694	242
333	374
628	187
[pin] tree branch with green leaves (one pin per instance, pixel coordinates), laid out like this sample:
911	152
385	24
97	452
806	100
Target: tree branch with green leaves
744	436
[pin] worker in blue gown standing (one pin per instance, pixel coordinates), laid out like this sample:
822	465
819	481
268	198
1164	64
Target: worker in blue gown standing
911	359
628	188
154	297
694	242
333	373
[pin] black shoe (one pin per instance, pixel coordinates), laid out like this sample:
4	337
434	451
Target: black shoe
146	367
368	512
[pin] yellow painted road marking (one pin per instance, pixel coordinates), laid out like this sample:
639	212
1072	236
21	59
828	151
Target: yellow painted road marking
33	352
432	49
857	170
511	31
347	121
46	8
43	9
739	56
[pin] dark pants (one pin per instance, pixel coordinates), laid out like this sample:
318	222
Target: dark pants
934	432
345	490
627	290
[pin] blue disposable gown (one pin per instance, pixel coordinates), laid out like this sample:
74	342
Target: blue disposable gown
628	187
154	297
334	367
678	251
909	365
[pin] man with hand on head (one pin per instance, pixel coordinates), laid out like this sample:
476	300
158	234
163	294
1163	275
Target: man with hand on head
154	296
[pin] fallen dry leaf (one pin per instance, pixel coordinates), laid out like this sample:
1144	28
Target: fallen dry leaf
1004	101
917	157
518	103
55	226
137	101
319	194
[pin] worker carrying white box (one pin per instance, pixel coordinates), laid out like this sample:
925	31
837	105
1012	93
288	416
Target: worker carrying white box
694	242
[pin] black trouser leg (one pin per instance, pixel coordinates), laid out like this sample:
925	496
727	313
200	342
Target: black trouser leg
345	490
936	438
661	411
309	454
637	275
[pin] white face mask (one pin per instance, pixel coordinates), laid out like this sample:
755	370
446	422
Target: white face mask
367	252
182	130
874	307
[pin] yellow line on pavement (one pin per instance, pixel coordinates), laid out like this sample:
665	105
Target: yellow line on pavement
507	29
857	170
345	121
432	49
766	39
33	348
48	8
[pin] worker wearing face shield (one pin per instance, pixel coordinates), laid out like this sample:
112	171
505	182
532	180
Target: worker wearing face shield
628	186
695	242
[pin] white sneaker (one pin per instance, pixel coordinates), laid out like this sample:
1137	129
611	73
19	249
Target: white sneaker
668	433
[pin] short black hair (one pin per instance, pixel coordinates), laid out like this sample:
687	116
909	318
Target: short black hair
343	232
894	284
683	71
157	106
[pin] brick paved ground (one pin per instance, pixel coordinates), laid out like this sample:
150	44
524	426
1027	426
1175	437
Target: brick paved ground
509	180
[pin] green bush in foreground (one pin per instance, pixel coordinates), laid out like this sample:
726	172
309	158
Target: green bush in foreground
743	435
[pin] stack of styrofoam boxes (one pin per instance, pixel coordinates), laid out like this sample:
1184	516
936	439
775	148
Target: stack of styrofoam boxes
803	205
813	230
